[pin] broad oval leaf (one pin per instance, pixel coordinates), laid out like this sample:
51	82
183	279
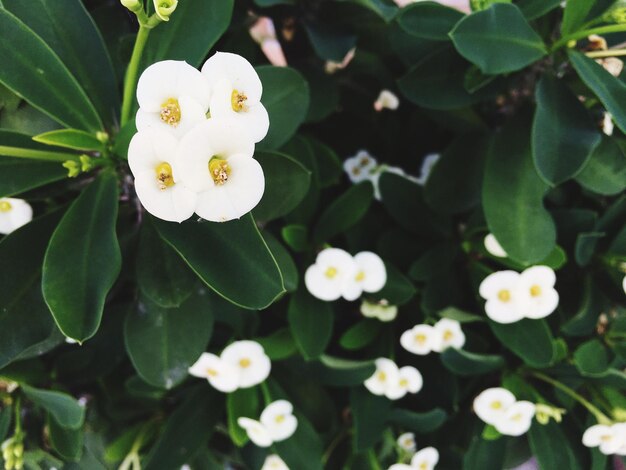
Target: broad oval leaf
164	342
605	172
66	410
311	323
464	363
422	423
563	133
68	443
83	259
429	20
519	335
241	403
20	175
592	359
41	78
545	439
498	40
228	256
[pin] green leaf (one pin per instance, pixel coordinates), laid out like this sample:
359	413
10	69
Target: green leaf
279	345
370	414
382	9
311	323
609	90
5	422
337	372
605	173
295	236
422	423
329	43
36	73
533	9
485	454
579	12
563	134
360	334
80	47
459	315
161	274
286	98
518	336
85	240
286	184
16	144
583	323
71	139
543	442
21	175
241	403
304	449
68	443
592	359
187	430
429	20
464	363
164	342
344	212
227	256
64	408
498	40
513	197
22	254
398	289
329	167
287	265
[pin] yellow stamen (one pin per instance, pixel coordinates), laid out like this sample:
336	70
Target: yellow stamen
535	291
170	112
504	295
220	170
5	206
238	101
364	161
517	417
496	405
331	272
164	176
448	335
279	419
404	383
423	466
360	276
212	372
244	363
420	338
381	376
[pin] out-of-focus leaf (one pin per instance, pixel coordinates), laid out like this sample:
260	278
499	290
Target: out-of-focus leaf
311	323
429	20
519	335
68	413
463	363
605	172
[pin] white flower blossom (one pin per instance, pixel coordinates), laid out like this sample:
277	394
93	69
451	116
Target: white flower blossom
173	96
221	375
215	160
386	100
257	433
406	442
425	459
274	462
449	334
359	167
380	310
236	93
539	298
409	381
276	424
517	419
332	275
462	5
491	404
392	382
153	160
14	213
610	439
493	247
421	340
370	275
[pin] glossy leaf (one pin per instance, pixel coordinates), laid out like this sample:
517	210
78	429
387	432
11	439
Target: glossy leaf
304	449
85	240
21	175
498	40
68	443
533	9
591	358
462	362
278	345
311	323
605	172
578	12
422	423
360	334
429	20
241	403
70	138
16	144
65	409
485	454
517	336
543	442
226	256
370	413
286	264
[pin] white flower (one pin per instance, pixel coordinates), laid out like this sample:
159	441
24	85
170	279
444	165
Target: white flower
332	67
360	166
449	333
500	290
421	339
13	214
607	124
279	420
274	462
385	376
427	166
250	360
236	92
493	247
256	432
610	439
400	466
152	157
491	404
380	310
462	5
386	100
331	275
517	419
221	375
173	96
624	284
613	65
409	381
370	276
539	298
425	459
215	160
406	442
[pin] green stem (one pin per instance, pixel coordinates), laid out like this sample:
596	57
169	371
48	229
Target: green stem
333	445
267	397
600	417
607	53
130	81
17	408
614	28
373	461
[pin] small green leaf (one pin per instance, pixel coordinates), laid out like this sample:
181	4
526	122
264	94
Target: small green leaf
464	363
68	443
429	20
241	403
329	43
311	323
279	345
485	454
605	172
64	408
578	12
584	321
398	289
543	442
370	414
85	240
498	40
329	167
15	144
295	236
518	336
71	139
592	359
422	423
360	334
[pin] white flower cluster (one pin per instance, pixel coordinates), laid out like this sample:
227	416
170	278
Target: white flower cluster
425	459
380	310
422	339
13	214
499	407
194	148
393	382
276	423
337	274
242	364
610	439
274	462
512	296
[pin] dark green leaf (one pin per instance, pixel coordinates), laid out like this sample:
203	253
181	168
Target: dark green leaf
422	423
398	289
544	440
329	167
485	454
584	321
459	315
360	334
329	43
279	345
296	236
304	449
605	173
464	363
16	144
591	358
533	9
65	409
241	403
85	240
311	323
337	372
370	414
578	12
68	443
429	20
519	335
287	265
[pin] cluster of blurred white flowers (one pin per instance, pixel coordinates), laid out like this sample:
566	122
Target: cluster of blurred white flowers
276	423
512	296
337	274
380	310
393	382
14	213
610	439
423	339
242	364
425	459
194	148
499	408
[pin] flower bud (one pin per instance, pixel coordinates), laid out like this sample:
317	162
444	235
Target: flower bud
164	8
18	449
85	163
132	5
73	170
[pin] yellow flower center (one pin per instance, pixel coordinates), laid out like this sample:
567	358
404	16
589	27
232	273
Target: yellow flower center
279	419
517	417
170	112
535	291
504	295
423	466
220	170
448	335
381	376
496	405
164	176
356	171
238	101
420	338
360	276
404	383
244	363
211	372
331	272
364	161
5	206
408	442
